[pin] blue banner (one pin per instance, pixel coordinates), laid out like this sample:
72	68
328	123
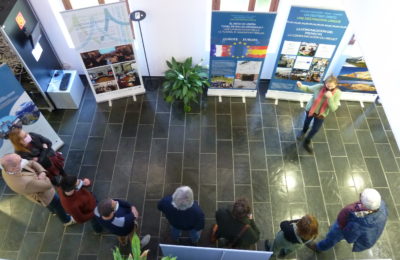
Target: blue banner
239	43
308	45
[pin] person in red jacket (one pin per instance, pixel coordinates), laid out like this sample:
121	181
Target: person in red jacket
78	201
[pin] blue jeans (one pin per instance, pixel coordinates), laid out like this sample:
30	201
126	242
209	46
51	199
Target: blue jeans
56	208
315	127
334	236
194	234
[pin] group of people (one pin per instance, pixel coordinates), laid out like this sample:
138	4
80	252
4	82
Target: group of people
36	171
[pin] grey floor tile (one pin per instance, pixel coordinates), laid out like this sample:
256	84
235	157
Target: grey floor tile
387	158
112	136
347	130
377	131
243	191
356	159
224	106
208	168
92	151
269	115
309	169
192	126
224	128
143	140
241	169
225	185
271	140
173	173
191	178
157	161
147	113
330	188
322	155
393	143
69	245
177	114
51	241
376	172
140	167
224	154
191	154
335	143
208	142
176	138
366	143
208	112
125	151
239	114
119	183
290	156
257	155
316	203
285	128
161	125
118	110
151	218
254	128
240	140
106	165
263	219
260	186
207	199
130	125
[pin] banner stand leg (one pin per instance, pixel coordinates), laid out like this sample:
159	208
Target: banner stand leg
276	102
134	98
301	104
109	103
219	99
244	99
361	104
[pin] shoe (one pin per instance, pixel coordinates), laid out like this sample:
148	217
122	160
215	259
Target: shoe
71	222
145	241
300	136
313	247
267	245
307	146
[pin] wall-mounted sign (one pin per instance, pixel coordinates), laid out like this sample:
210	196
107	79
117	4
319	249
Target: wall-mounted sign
20	20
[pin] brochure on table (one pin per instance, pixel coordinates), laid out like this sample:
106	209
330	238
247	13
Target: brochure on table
308	45
18	110
239	43
103	37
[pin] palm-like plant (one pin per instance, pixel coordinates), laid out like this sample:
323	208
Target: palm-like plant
185	82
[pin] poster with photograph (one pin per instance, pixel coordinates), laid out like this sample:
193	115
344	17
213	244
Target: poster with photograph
309	43
17	110
354	75
103	37
239	43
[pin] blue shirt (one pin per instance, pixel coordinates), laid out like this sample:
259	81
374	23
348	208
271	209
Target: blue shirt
191	218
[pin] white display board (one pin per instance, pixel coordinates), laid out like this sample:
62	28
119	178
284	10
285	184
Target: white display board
103	38
210	253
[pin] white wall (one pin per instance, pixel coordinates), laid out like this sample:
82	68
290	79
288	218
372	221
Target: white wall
376	26
179	28
48	13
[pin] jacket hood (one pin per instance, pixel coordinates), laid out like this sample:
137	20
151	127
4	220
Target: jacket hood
371	219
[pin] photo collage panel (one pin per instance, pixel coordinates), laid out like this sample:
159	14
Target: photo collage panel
111	68
303	61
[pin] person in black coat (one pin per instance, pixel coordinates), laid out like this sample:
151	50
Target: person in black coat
237	226
32	146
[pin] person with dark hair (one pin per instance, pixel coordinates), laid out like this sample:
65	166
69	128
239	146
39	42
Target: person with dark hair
29	179
119	218
360	223
325	99
236	227
183	213
78	202
293	235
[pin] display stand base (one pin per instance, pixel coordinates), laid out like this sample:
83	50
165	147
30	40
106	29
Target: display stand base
111	96
243	93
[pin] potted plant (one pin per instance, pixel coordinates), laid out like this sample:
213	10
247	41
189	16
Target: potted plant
184	82
136	254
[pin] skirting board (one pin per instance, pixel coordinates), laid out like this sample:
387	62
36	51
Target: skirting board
232	92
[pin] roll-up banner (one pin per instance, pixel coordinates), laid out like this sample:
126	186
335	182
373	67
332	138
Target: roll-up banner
239	43
18	110
103	37
308	45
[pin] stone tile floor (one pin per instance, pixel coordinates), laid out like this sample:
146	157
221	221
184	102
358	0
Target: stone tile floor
141	151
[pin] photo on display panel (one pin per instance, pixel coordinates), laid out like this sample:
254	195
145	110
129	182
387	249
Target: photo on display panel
283	73
302	63
247	73
286	61
126	74
298	74
106	56
222	73
103	79
290	47
307	49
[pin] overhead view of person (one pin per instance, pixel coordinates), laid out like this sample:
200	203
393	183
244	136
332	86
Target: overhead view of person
293	235
236	226
29	179
325	99
183	214
78	201
32	146
119	218
360	223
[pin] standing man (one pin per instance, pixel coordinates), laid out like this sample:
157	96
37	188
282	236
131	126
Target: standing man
325	99
119	218
29	178
183	213
360	223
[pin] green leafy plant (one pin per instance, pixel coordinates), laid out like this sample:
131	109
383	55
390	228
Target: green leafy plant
185	82
168	258
136	253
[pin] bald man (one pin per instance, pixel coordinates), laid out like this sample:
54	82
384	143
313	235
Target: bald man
29	179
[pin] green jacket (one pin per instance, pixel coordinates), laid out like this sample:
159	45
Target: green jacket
333	102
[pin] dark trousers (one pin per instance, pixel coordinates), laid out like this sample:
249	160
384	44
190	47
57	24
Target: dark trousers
56	208
96	225
315	127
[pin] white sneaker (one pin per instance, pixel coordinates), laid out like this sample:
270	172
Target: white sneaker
71	222
145	241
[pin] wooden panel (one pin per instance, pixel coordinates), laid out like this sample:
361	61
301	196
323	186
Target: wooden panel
67	4
252	5
216	4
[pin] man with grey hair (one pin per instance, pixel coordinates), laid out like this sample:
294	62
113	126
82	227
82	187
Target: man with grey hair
29	179
183	213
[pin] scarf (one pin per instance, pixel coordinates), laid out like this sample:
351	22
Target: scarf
317	102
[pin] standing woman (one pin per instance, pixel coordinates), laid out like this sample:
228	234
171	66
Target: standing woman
32	146
325	99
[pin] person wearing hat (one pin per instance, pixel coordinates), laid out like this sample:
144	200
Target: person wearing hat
360	223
